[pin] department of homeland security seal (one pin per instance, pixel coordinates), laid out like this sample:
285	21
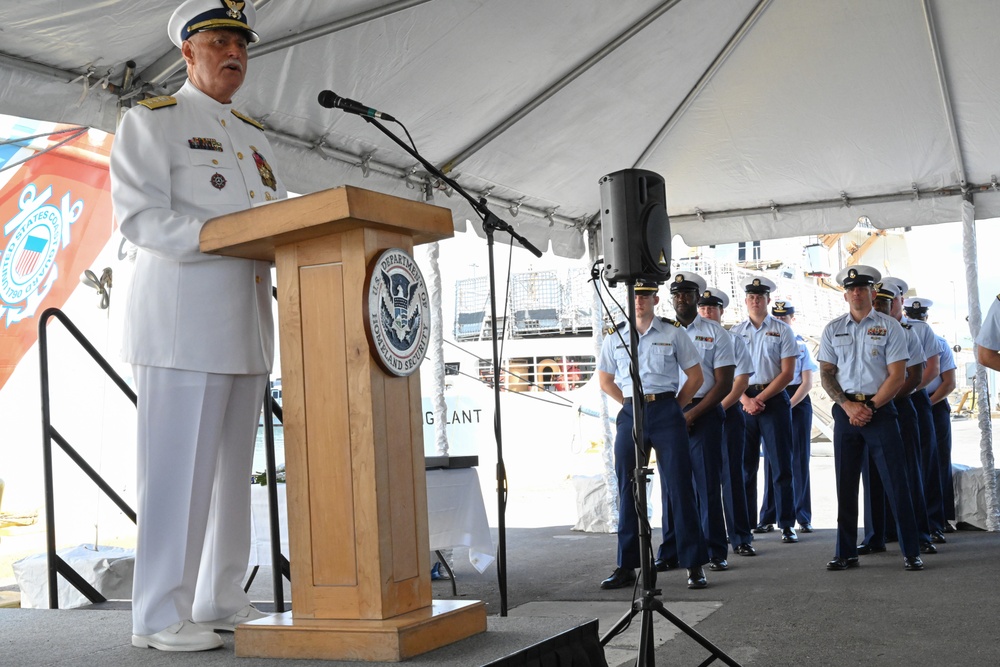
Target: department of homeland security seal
397	312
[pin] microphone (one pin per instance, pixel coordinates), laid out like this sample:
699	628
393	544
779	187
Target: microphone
332	100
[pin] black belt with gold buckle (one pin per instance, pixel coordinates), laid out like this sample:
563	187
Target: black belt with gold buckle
860	398
650	398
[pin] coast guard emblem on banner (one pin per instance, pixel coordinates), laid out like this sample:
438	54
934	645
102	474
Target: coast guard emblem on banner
397	312
27	266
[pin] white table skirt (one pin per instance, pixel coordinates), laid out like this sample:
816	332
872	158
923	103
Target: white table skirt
456	517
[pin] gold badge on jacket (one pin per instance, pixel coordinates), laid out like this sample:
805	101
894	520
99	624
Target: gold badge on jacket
266	175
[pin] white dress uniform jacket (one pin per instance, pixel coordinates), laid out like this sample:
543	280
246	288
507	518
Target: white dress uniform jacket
174	167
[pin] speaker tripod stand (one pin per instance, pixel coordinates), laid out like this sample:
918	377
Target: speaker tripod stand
648	602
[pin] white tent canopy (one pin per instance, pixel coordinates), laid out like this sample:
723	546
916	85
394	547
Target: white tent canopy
767	118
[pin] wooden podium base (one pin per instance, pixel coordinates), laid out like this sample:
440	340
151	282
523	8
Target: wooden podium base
390	640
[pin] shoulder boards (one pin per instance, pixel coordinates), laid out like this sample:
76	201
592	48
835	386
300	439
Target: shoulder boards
905	325
998	297
620	325
667	320
158	102
247	119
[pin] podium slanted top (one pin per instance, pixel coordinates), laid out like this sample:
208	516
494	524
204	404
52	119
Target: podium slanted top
256	232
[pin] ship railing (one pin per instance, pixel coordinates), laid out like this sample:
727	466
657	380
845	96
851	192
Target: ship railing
56	565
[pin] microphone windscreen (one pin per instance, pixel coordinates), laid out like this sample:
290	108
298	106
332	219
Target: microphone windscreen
328	99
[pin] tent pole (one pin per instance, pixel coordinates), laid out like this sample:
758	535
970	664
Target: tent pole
982	388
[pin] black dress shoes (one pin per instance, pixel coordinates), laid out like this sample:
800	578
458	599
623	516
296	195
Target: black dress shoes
696	578
805	528
663	564
763	528
938	537
866	549
718	564
788	535
745	550
927	548
620	578
913	564
948	528
839	563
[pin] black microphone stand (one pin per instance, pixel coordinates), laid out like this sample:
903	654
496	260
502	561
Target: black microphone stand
491	224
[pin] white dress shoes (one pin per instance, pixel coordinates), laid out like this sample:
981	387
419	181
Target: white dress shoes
229	623
182	636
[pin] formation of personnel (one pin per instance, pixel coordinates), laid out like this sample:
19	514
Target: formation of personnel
718	402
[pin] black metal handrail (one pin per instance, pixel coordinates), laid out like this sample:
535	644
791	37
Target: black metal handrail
56	565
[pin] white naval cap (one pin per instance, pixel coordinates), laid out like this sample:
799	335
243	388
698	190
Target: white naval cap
857	275
917	303
782	307
198	15
687	281
713	296
890	287
759	285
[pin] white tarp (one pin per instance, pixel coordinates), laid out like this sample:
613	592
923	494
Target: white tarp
767	119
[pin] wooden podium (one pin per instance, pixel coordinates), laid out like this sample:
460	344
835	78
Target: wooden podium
357	496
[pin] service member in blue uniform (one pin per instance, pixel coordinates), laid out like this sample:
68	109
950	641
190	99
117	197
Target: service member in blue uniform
768	413
938	391
916	314
664	351
862	359
198	332
802	413
705	417
711	304
988	340
889	293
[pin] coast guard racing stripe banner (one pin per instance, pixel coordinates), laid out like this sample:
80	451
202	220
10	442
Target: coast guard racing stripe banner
55	217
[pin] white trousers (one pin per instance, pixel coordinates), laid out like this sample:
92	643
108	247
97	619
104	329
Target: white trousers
196	434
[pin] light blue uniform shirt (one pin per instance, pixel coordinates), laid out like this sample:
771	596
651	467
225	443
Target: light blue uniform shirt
768	345
744	365
989	335
804	362
928	339
716	348
862	351
664	350
947	364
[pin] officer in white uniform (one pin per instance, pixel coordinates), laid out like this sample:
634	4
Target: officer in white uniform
198	332
705	418
862	358
988	340
768	412
711	304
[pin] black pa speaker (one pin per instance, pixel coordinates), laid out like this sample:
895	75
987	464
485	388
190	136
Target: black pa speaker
635	229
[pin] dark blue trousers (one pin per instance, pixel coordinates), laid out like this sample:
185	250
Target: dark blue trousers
774	426
875	496
802	417
851	445
734	490
942	428
929	465
705	437
666	432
